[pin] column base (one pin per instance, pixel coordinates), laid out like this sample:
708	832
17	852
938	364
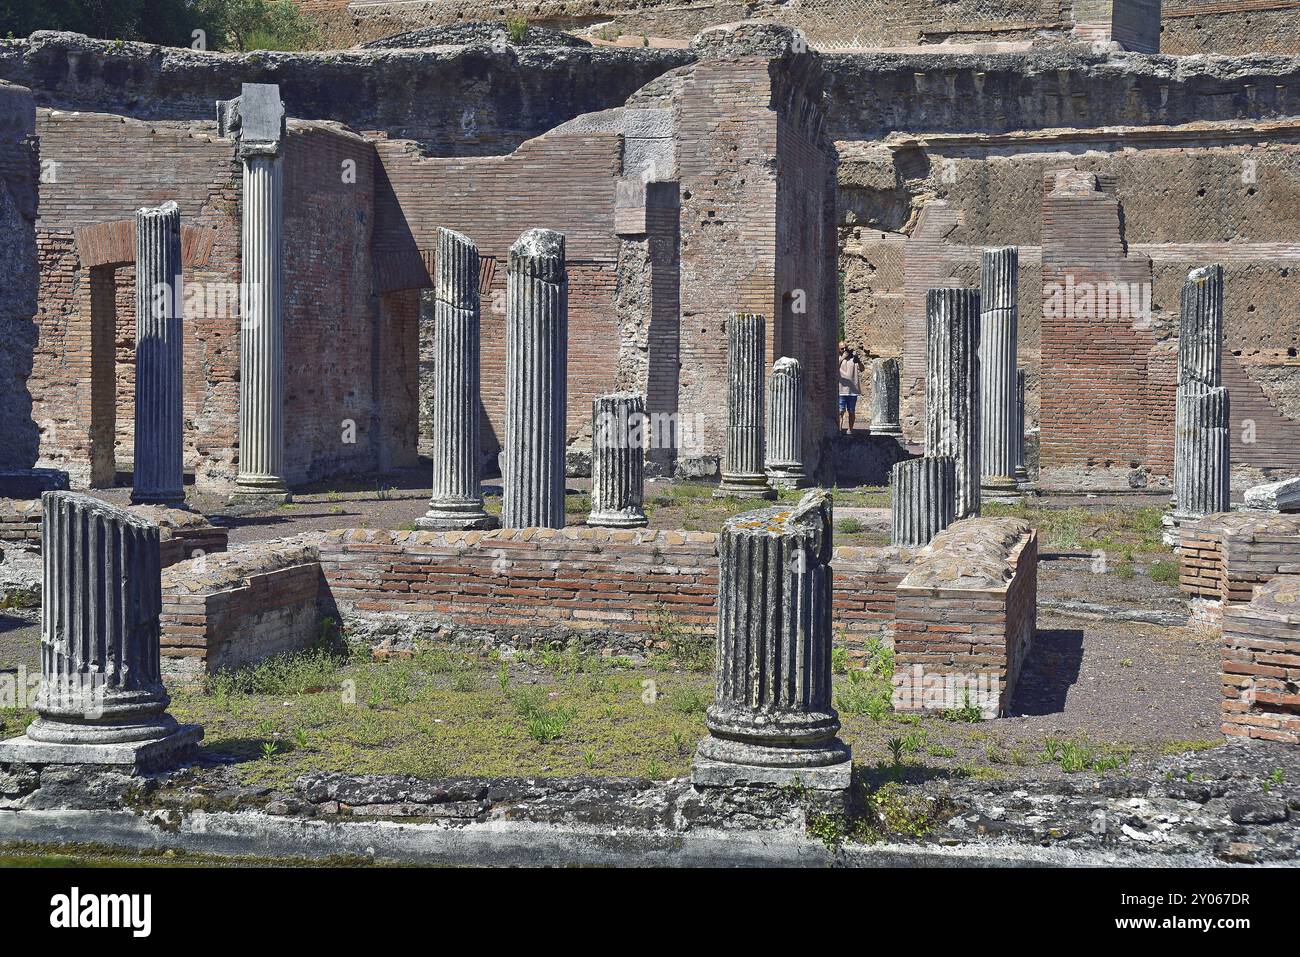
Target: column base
453	517
269	490
744	485
628	519
132	756
706	772
165	499
788	478
891	429
999	488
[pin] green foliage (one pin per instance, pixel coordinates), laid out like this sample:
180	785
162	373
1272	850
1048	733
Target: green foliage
1075	756
543	721
848	526
517	27
869	690
287	674
226	24
839	660
691	651
1163	571
688	700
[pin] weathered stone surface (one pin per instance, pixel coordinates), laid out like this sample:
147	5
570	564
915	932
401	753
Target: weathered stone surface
884	397
1283	496
1021	471
261	337
457	497
160	358
969	554
784	453
999	321
618	461
742	469
102	700
537	321
772	706
923	494
952	388
1202	438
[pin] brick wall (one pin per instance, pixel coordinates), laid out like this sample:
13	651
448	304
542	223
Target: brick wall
965	617
757	208
1261	663
228	611
101	168
1222	557
575	579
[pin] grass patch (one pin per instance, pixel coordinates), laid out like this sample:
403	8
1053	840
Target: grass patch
1073	756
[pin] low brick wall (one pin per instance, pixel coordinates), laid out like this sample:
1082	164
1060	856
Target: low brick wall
1261	663
1222	557
965	617
638	585
227	611
183	533
20	520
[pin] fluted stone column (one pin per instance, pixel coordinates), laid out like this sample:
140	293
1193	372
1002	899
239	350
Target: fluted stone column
924	495
1202	454
952	388
1200	328
884	397
742	472
999	282
618	460
457	499
261	338
772	721
784	447
159	358
537	320
1021	472
102	699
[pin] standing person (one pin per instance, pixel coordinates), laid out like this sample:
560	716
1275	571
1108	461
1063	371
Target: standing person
850	366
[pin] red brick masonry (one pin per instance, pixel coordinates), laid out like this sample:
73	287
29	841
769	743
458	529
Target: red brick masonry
965	617
596	583
1261	663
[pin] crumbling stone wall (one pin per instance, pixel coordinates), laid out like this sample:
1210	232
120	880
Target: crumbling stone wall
1229	27
19	174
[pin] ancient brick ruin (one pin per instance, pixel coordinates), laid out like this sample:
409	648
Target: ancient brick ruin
449	335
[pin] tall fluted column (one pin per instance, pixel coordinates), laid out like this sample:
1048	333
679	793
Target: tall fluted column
457	499
618	423
784	455
742	473
1021	472
159	358
924	494
261	339
1202	453
952	392
100	653
537	319
884	397
999	281
772	721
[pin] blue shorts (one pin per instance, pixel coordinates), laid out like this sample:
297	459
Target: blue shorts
848	403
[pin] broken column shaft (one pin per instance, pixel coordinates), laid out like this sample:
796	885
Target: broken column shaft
617	460
742	472
537	318
784	439
884	397
923	494
999	281
159	471
952	394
